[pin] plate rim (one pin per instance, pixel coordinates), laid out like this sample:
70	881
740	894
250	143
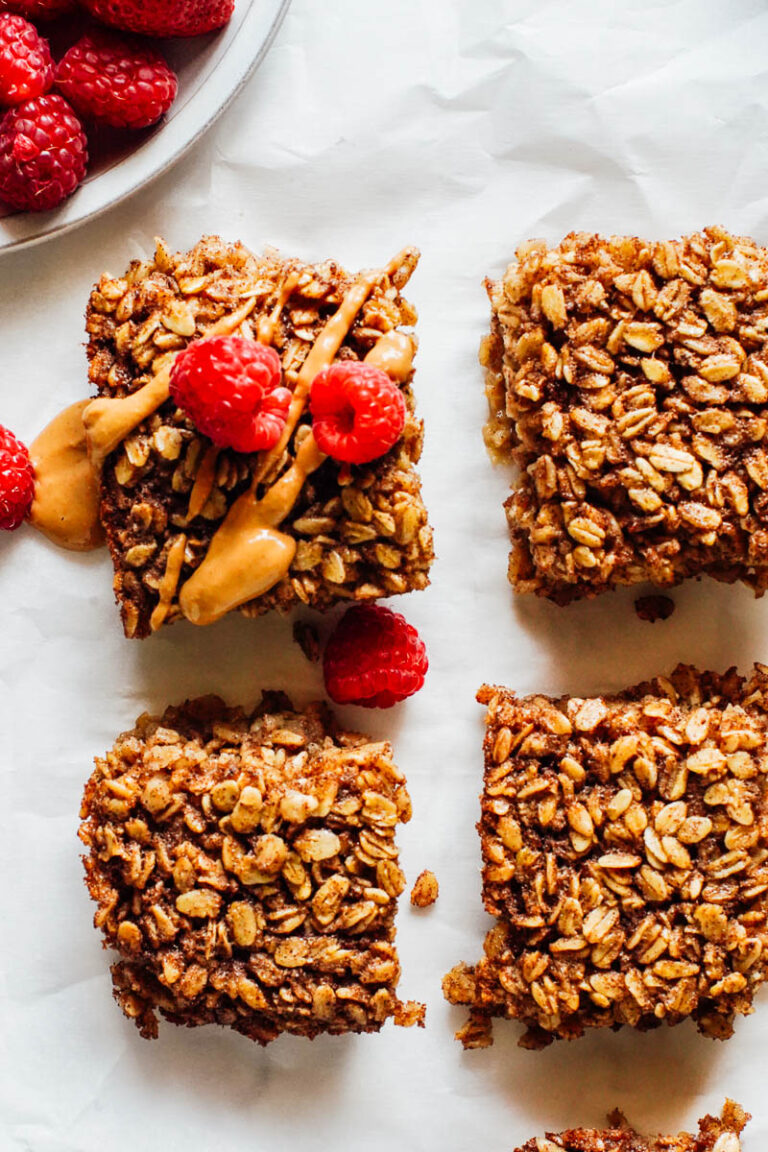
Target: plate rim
66	225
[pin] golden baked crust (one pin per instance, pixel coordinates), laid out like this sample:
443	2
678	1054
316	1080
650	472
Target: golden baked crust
624	858
716	1134
362	532
628	381
245	868
426	890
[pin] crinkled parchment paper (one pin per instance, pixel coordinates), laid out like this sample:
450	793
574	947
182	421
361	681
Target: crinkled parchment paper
463	126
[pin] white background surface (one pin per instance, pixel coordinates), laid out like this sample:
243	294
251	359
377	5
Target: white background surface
464	127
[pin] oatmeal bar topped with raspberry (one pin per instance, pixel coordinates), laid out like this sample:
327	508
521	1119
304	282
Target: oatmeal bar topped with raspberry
246	871
716	1134
624	842
357	531
628	381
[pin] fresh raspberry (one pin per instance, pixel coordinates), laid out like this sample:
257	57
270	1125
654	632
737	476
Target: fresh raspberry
358	413
374	658
230	388
38	9
163	17
17	480
26	64
43	153
112	81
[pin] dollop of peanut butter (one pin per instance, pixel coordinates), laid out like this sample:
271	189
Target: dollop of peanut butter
393	353
67	489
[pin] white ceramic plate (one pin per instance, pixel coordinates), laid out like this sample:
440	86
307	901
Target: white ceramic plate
211	72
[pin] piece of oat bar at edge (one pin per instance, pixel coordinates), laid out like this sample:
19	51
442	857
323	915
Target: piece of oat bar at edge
361	531
624	858
245	868
716	1134
628	381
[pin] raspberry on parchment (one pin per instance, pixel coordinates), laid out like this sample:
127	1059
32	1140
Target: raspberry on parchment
374	658
17	481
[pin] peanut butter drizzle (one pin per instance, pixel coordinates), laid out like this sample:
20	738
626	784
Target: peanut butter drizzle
265	330
247	556
170	582
67	491
203	485
108	420
393	353
321	355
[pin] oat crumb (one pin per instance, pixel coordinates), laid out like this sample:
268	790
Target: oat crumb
305	635
653	608
410	1014
425	891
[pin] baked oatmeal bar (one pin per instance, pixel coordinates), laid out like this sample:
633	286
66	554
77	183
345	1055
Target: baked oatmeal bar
361	531
715	1135
624	858
245	869
628	381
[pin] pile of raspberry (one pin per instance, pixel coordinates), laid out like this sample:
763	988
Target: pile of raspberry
101	78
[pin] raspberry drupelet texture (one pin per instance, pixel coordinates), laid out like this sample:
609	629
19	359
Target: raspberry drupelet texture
163	17
38	9
358	413
231	389
374	658
26	64
109	79
17	480
43	153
